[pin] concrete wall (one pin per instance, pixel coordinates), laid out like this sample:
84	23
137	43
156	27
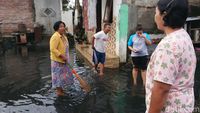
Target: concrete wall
53	13
14	12
66	17
123	32
194	2
146	17
146	3
194	8
142	12
116	8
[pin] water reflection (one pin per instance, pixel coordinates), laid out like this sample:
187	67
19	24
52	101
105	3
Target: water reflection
25	84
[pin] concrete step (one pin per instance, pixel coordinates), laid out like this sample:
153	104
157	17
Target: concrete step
86	52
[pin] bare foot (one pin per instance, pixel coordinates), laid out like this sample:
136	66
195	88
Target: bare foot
134	84
101	74
97	70
60	92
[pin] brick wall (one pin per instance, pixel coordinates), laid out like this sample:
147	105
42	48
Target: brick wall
14	12
194	2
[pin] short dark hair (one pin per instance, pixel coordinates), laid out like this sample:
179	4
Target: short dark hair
57	24
176	12
139	27
106	24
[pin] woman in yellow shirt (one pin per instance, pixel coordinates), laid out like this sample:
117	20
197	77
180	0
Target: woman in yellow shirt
59	54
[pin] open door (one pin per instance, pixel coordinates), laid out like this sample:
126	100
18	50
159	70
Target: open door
108	14
98	14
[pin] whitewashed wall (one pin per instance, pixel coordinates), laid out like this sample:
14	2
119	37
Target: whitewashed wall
43	18
66	17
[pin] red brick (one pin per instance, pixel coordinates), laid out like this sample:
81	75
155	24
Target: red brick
14	12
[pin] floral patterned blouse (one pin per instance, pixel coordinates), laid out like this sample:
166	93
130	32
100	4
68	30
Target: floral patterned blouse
173	62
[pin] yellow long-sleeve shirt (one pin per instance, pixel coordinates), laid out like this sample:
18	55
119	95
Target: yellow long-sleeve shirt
57	47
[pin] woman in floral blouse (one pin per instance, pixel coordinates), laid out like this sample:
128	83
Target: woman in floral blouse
170	73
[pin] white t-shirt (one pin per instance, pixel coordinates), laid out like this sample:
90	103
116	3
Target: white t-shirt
100	41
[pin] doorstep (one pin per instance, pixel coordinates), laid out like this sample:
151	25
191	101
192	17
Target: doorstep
112	61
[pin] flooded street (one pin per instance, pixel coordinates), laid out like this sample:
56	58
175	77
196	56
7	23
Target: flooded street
25	85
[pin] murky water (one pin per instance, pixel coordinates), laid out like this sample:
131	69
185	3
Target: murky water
25	85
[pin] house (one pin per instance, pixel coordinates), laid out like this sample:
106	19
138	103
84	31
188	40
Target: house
14	12
123	15
32	13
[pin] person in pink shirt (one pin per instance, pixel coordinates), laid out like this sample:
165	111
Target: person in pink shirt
170	73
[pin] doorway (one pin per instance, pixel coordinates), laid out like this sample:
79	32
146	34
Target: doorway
98	15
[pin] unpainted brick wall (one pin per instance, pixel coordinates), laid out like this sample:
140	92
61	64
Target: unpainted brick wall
14	12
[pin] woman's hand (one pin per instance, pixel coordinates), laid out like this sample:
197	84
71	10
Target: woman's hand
159	96
134	50
141	35
63	57
146	40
